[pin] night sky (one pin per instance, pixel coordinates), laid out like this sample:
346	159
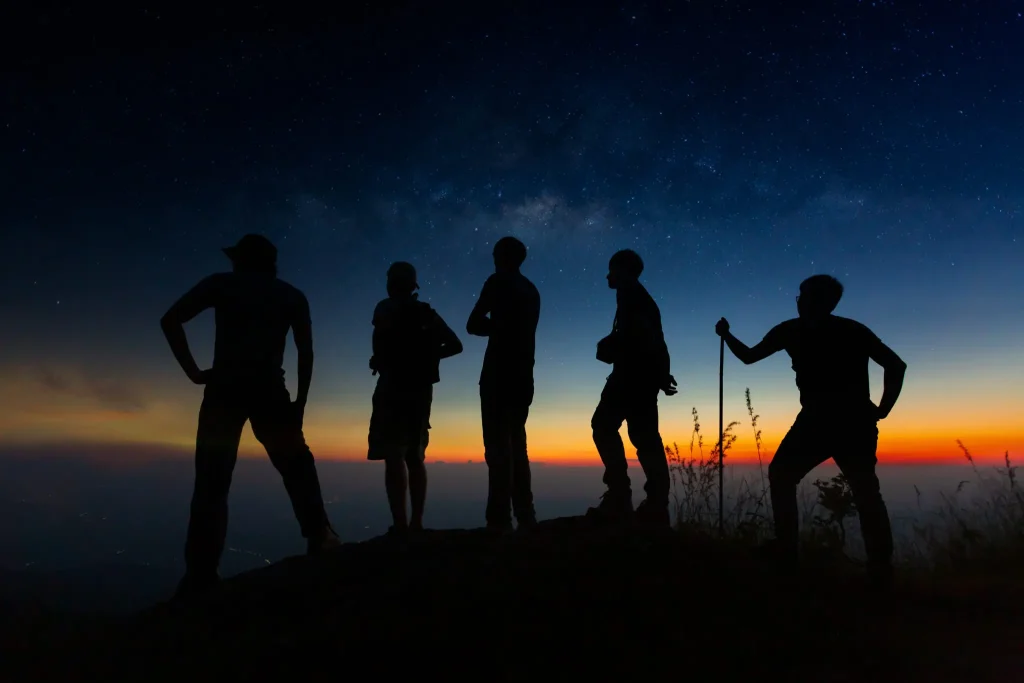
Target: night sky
737	150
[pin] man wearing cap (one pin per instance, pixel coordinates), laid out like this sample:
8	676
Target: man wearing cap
409	341
254	312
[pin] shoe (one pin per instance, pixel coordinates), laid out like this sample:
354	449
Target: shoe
614	506
653	515
328	541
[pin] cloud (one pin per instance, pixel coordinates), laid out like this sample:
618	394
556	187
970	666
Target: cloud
52	381
107	392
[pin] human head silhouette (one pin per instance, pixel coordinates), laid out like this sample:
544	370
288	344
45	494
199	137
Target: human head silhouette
624	268
253	254
401	279
509	254
819	296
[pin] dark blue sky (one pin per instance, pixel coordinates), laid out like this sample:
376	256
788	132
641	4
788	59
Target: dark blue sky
738	148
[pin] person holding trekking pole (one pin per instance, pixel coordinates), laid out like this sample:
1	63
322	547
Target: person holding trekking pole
837	419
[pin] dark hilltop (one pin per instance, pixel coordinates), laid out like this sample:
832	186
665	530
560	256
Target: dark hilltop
569	598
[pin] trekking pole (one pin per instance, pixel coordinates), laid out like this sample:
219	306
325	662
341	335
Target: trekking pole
721	436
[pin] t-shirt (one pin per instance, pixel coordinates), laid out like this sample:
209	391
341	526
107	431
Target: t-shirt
641	351
406	341
253	314
514	305
830	358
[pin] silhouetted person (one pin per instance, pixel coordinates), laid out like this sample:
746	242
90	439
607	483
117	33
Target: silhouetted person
409	341
640	369
837	418
254	311
506	383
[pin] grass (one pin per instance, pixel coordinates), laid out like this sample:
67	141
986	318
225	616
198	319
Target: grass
977	528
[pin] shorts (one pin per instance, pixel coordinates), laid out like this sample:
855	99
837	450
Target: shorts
400	423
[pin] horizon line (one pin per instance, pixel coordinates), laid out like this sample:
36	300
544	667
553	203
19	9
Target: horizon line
128	452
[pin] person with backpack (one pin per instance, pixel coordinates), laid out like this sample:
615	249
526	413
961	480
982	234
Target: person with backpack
254	312
640	362
409	341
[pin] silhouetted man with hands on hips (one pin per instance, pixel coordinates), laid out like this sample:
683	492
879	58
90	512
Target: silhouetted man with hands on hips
640	363
254	312
837	419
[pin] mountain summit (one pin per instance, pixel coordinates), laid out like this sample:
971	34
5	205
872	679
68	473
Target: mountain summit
567	599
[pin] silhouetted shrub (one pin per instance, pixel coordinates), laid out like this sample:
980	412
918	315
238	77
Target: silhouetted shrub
979	532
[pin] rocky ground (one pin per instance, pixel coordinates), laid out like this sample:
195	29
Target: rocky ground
570	599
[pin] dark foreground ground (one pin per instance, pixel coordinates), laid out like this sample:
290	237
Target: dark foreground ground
569	600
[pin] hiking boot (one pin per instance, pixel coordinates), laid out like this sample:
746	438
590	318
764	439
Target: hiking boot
328	541
615	506
653	515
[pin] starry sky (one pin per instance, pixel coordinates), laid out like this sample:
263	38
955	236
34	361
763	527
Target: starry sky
738	149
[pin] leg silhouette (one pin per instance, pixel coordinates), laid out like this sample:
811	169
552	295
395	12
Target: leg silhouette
276	426
503	417
608	417
399	435
221	420
396	484
858	462
416	461
796	456
522	479
498	456
800	452
642	426
417	492
418	438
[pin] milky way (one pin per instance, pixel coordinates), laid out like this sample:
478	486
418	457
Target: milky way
737	151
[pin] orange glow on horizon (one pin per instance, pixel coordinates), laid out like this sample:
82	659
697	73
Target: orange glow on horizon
922	429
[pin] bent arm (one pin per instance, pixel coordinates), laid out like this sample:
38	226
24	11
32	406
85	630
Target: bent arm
375	352
448	343
194	302
302	331
479	324
766	347
895	370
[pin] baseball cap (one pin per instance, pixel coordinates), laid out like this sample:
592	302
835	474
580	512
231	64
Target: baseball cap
403	272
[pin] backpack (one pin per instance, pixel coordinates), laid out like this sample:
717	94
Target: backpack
412	347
